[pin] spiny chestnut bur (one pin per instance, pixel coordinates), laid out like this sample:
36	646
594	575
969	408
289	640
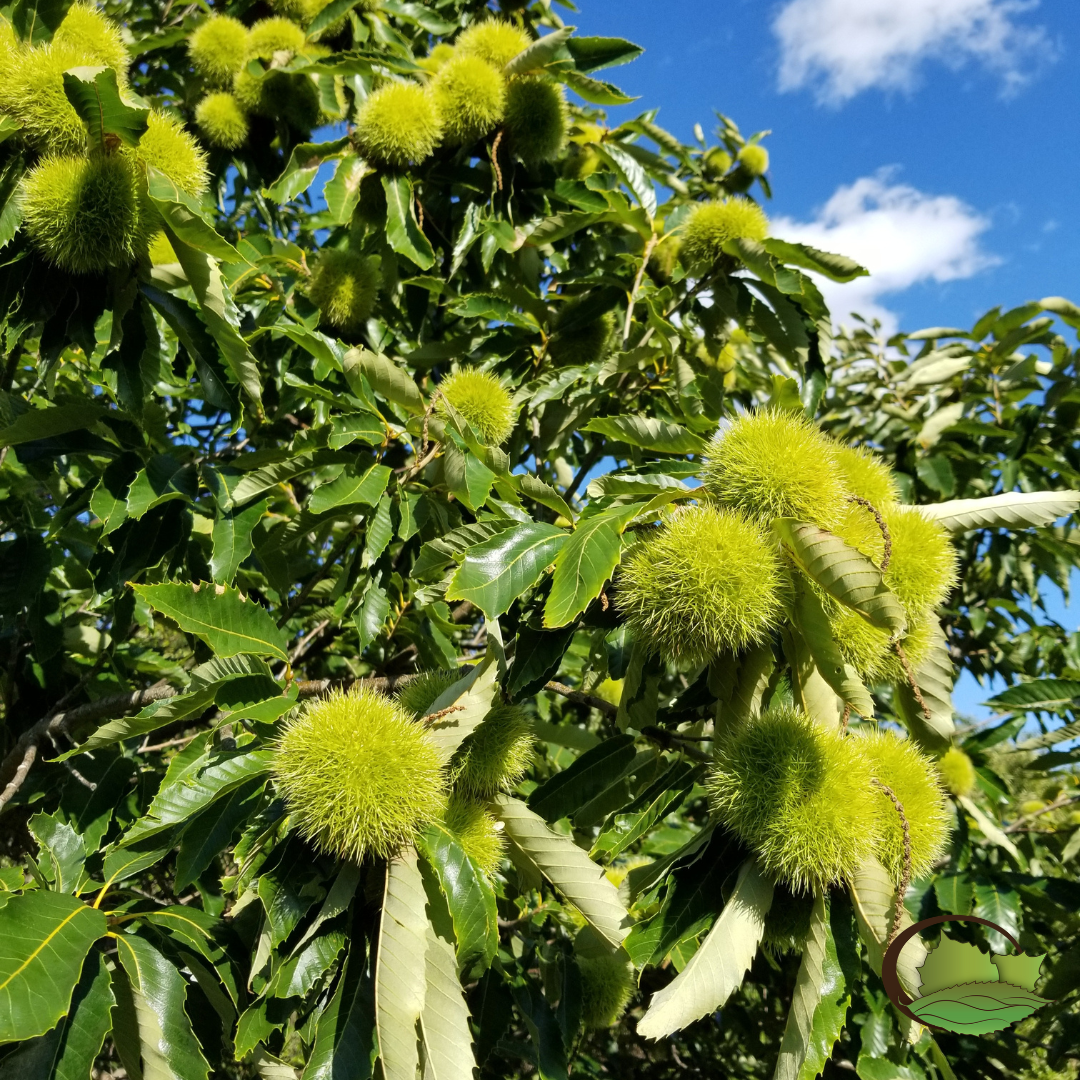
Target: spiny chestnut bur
292	98
471	98
494	40
32	93
218	49
536	118
705	583
484	402
957	772
711	225
798	794
344	287
910	775
775	463
787	923
496	756
439	55
866	475
582	343
168	147
85	28
359	775
477	831
922	570
222	122
607	985
398	123
754	158
870	651
417	696
268	37
83	213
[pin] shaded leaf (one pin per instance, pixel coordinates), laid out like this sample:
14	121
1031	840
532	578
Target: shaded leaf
95	96
648	433
402	231
345	1046
445	1038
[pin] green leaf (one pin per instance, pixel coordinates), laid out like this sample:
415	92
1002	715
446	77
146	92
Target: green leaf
541	52
221	616
718	967
828	660
11	207
387	379
163	480
232	540
302	167
631	172
95	95
402	231
1036	695
445	1038
400	972
68	1051
844	573
873	893
353	487
647	433
215	301
342	190
585	562
565	865
593	772
208	779
471	698
595	91
47	423
469	896
534	488
466	475
371	615
1013	510
123	863
210	834
496	572
344	1045
45	937
167	1044
304	969
35	21
977	1008
61	855
1000	905
186	218
834	267
537	658
630	824
594	53
955	893
934	676
819	1004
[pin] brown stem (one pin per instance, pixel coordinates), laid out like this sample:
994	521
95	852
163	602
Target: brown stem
845	718
649	247
909	671
886	558
495	159
905	881
431	718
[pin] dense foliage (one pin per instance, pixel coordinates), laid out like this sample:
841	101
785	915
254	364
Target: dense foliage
460	595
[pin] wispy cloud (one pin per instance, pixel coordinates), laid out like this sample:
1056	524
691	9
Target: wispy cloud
903	236
842	47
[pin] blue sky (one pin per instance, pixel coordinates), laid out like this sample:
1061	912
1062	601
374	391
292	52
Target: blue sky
935	140
938	136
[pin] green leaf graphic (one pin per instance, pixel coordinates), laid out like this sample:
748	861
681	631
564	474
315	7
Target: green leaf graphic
976	1008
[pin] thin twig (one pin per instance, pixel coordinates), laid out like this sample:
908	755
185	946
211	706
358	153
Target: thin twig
909	671
646	256
1018	824
583	699
905	881
886	558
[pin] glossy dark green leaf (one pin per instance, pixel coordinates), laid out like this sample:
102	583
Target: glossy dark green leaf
351	488
44	939
232	540
60	851
345	1047
593	772
402	230
95	95
469	897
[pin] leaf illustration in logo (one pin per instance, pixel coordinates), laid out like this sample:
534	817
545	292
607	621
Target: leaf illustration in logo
1021	970
953	963
976	1008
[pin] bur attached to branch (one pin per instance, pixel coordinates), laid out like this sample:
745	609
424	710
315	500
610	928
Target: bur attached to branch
398	123
495	40
496	756
484	402
536	118
222	121
607	985
218	49
344	287
471	98
711	225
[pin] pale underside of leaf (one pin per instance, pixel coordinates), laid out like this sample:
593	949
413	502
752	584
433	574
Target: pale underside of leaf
566	866
934	677
717	969
400	967
844	573
471	698
1012	510
446	1040
808	983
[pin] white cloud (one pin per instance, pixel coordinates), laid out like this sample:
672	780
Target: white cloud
845	46
904	237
